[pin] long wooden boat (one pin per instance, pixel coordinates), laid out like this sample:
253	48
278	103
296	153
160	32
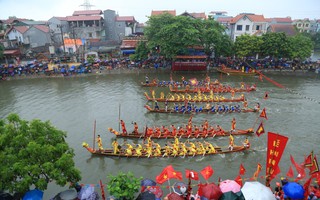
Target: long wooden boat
162	135
230	71
192	99
204	110
177	84
109	152
218	89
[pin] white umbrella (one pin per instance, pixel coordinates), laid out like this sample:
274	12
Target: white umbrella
256	191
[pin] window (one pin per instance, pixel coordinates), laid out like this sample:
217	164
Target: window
299	25
90	35
239	27
247	27
307	25
257	27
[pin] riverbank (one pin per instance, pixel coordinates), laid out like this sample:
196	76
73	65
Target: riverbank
286	72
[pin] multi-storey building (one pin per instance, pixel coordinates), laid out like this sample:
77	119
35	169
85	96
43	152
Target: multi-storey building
303	25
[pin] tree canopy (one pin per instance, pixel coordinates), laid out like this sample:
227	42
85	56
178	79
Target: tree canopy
301	47
173	35
33	154
247	45
1	51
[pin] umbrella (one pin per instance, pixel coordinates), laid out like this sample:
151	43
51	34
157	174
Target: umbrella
293	190
209	191
5	196
67	194
156	190
257	191
148	182
179	188
146	195
85	192
229	185
33	195
232	196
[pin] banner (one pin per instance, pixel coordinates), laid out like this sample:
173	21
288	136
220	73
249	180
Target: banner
276	145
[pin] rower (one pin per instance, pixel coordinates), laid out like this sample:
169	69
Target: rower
245	104
138	150
167	150
161	95
165	131
174	131
135	130
257	107
99	141
192	149
183	150
158	132
156	105
123	126
157	150
246	143
233	124
147	80
129	150
115	145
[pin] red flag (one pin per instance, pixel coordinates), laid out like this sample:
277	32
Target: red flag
256	173
260	130
168	173
207	172
238	179
192	174
276	145
242	170
176	175
315	167
290	173
263	114
275	173
308	162
306	186
300	169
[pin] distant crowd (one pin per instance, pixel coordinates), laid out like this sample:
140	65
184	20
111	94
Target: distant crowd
57	68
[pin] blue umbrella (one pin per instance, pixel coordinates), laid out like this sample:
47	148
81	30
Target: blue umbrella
33	195
148	182
293	190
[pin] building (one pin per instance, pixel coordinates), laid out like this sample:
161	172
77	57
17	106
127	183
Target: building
195	15
315	25
58	27
303	25
247	23
281	24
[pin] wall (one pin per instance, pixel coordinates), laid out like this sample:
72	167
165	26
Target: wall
36	37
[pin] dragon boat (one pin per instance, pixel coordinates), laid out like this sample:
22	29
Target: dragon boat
198	111
217	89
156	83
169	135
122	153
230	71
194	98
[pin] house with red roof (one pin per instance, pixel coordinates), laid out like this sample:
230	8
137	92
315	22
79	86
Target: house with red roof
160	12
248	23
195	15
281	25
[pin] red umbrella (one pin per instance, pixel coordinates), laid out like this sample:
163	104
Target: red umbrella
175	196
210	191
156	190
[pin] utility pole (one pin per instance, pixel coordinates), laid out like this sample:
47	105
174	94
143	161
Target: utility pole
75	42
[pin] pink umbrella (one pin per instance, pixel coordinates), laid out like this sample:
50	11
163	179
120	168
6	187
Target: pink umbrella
229	185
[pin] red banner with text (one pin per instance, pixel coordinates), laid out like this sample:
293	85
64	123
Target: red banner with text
276	145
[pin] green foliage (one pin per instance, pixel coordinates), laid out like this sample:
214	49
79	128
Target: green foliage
276	45
247	45
316	40
90	59
301	47
141	52
123	186
174	35
34	154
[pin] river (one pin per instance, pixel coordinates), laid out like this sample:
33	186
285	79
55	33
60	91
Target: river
73	104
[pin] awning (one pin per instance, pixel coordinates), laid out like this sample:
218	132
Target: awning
128	51
11	52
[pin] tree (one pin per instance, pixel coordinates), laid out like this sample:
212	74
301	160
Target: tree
141	52
1	51
123	186
33	154
301	47
248	45
275	45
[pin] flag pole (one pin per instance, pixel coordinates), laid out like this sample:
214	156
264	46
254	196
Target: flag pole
169	185
102	191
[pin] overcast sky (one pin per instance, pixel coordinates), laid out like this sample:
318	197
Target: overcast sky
45	9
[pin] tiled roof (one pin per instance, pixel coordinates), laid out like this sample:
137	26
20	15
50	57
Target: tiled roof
83	18
87	12
125	19
42	28
70	41
283	19
199	15
288	29
11	20
61	18
214	12
21	29
159	12
253	18
129	43
224	19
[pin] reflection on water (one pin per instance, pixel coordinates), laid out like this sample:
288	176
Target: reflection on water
72	105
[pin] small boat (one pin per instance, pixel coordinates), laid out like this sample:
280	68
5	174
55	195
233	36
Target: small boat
198	111
217	89
162	135
230	71
192	99
109	152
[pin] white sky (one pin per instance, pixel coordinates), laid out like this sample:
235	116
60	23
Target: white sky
45	9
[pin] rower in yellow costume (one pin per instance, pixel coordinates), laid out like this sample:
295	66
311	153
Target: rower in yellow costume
192	149
231	142
183	149
115	145
157	150
138	150
167	150
161	95
99	141
129	150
